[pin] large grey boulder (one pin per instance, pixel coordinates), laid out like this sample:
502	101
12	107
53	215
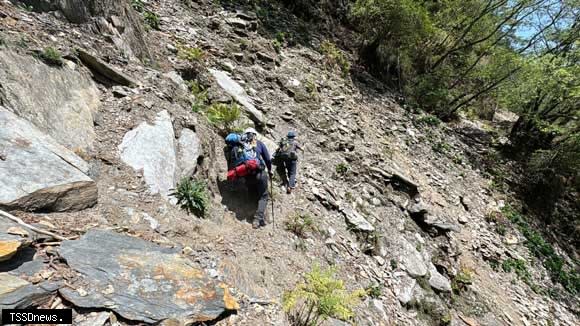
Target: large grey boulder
239	94
356	221
37	172
141	281
59	101
151	149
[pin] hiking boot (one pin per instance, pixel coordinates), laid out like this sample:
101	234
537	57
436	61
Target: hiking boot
256	223
288	190
262	223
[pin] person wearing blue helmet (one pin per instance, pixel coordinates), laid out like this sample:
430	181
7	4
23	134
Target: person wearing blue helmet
286	158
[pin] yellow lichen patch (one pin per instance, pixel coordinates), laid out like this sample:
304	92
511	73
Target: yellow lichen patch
177	268
230	302
8	248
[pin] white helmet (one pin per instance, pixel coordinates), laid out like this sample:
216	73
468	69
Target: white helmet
250	131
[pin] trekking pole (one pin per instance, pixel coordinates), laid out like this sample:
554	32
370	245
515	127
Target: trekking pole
272	195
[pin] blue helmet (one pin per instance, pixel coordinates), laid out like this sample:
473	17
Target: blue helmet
291	134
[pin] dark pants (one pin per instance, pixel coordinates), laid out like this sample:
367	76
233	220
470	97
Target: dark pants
287	171
258	188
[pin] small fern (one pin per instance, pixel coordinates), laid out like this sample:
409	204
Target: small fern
224	116
320	297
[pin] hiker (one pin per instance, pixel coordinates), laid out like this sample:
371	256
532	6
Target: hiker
286	159
249	158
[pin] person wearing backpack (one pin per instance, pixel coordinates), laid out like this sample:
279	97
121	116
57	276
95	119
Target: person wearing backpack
249	158
286	159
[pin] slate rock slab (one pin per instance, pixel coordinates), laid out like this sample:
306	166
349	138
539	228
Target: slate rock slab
158	162
357	221
59	101
142	281
239	94
16	293
37	172
103	69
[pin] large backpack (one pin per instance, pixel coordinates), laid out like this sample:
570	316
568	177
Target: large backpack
242	156
287	150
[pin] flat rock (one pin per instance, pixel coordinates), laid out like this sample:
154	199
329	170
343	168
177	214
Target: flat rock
158	161
16	293
239	94
412	260
39	173
188	151
59	101
404	287
142	281
103	69
357	221
12	237
438	281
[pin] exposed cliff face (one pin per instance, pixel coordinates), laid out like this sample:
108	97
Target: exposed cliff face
396	202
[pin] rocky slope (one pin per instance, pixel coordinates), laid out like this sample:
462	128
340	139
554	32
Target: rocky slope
94	147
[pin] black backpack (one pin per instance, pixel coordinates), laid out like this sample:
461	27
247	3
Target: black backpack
287	150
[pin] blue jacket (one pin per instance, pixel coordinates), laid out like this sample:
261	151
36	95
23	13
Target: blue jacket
263	154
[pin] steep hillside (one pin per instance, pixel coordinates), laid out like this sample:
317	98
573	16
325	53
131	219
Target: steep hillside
101	117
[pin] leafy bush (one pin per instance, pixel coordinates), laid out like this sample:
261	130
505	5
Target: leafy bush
199	96
51	56
192	196
374	291
300	225
138	5
342	169
441	147
556	266
320	297
519	267
224	116
335	57
152	19
429	120
190	54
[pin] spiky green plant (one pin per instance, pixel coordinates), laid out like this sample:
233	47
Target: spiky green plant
223	116
192	196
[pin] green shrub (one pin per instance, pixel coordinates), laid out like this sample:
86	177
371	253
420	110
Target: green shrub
335	57
319	297
374	291
199	96
277	46
441	147
192	196
300	225
556	266
429	120
223	116
152	19
138	5
342	169
190	54
519	267
51	56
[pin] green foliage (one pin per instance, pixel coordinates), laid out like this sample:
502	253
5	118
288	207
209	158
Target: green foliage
300	225
335	57
192	196
138	5
374	290
556	266
342	169
462	280
152	19
441	147
51	56
319	297
199	96
223	116
429	120
190	54
518	266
